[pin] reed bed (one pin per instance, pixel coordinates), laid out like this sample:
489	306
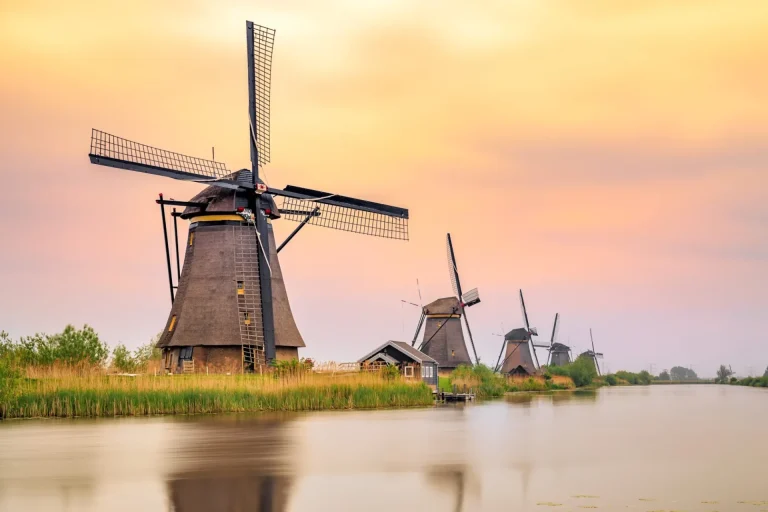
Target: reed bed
99	395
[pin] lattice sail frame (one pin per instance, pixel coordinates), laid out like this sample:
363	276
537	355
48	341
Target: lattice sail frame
263	45
345	218
120	150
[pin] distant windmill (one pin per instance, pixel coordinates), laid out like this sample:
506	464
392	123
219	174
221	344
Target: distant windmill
519	349
559	353
592	354
443	337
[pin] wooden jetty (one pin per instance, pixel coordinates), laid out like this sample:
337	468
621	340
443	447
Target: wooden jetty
446	396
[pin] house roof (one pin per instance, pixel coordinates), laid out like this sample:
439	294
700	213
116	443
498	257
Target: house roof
384	357
404	348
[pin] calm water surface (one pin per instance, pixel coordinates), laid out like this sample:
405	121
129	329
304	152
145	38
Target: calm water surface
653	448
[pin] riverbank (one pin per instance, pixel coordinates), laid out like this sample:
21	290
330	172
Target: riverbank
109	395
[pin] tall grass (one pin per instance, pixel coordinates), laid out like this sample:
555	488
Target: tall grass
92	395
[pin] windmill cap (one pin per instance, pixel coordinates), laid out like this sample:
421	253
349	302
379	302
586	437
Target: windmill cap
519	334
227	200
444	306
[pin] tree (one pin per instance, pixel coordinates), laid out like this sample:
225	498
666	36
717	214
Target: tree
664	375
723	374
766	372
680	373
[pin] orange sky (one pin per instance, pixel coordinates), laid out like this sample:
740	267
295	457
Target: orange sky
607	157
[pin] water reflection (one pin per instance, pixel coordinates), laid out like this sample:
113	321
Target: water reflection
656	448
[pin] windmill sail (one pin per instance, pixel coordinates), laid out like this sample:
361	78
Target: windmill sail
344	213
113	151
260	85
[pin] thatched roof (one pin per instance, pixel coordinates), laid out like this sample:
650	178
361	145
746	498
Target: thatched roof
446	344
519	334
206	306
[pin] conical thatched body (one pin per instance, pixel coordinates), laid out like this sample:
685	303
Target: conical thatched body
518	357
216	319
443	335
559	355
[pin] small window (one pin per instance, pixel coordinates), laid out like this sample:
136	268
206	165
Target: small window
191	238
430	370
453	353
247	318
409	371
173	324
185	354
240	288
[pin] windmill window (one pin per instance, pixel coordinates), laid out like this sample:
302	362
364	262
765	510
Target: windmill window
240	288
185	354
247	318
173	324
453	353
191	238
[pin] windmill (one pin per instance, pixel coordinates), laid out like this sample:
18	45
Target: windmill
592	354
231	307
559	353
519	349
443	337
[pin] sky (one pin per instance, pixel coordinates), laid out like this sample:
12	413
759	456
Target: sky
609	158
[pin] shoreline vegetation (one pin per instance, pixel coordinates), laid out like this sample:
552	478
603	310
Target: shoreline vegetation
72	374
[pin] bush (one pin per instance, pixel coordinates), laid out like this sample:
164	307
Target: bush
610	380
138	361
71	347
479	378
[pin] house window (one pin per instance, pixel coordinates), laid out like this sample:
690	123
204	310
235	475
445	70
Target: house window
240	288
185	354
191	238
173	324
409	371
423	371
246	318
429	372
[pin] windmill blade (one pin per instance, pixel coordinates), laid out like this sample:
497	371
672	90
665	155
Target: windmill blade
261	41
594	353
344	213
418	327
528	329
525	313
554	329
471	341
452	268
418	288
501	352
113	151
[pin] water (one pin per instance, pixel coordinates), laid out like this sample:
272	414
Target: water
639	449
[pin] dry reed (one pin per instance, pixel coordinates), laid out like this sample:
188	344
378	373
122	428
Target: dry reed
58	393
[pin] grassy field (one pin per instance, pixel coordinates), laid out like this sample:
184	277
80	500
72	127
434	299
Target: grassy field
104	395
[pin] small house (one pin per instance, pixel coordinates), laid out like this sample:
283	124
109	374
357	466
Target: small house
412	363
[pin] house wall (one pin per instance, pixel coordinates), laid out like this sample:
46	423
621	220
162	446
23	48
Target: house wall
432	381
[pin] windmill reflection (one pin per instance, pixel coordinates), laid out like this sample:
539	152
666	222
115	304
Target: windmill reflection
234	465
456	478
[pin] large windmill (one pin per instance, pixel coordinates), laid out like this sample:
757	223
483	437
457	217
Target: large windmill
443	337
231	308
519	349
559	353
592	354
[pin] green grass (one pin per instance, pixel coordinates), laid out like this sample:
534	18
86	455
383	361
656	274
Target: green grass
146	395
